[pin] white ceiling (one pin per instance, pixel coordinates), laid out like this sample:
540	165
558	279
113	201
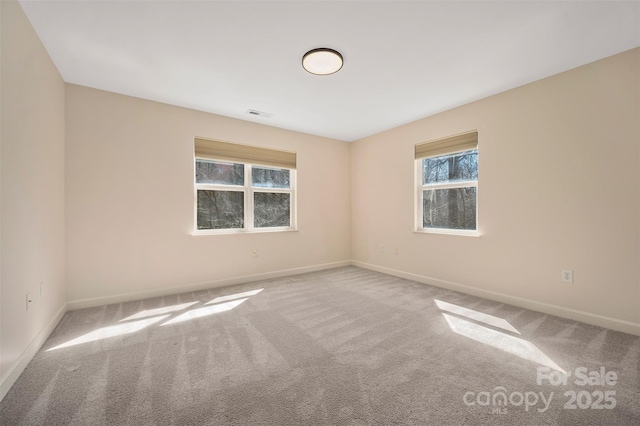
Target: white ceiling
403	60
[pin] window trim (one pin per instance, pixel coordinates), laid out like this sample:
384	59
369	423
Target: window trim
418	210
248	190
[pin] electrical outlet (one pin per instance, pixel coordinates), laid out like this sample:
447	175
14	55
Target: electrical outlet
396	250
566	275
42	289
28	300
254	253
381	248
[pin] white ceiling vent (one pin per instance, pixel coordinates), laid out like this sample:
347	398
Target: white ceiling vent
259	113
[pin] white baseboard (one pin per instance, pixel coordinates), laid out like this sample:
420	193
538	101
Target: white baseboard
546	308
25	357
128	297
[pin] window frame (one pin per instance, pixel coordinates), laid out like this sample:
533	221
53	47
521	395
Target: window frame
248	191
420	187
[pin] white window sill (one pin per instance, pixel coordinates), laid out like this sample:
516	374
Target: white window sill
463	232
200	232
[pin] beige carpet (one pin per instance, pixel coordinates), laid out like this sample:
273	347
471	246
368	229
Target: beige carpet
345	346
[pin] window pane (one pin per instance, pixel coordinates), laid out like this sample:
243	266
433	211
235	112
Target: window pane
450	168
219	173
220	209
271	209
262	177
450	208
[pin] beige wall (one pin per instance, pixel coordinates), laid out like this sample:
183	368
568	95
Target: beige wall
130	200
558	188
32	192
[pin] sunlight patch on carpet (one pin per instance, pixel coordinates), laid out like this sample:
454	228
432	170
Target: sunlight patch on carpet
111	331
510	344
158	311
203	312
244	294
477	316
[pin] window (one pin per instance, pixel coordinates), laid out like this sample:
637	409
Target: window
242	188
447	185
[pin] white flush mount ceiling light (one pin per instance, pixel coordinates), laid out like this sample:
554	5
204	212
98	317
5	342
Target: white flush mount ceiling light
322	61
